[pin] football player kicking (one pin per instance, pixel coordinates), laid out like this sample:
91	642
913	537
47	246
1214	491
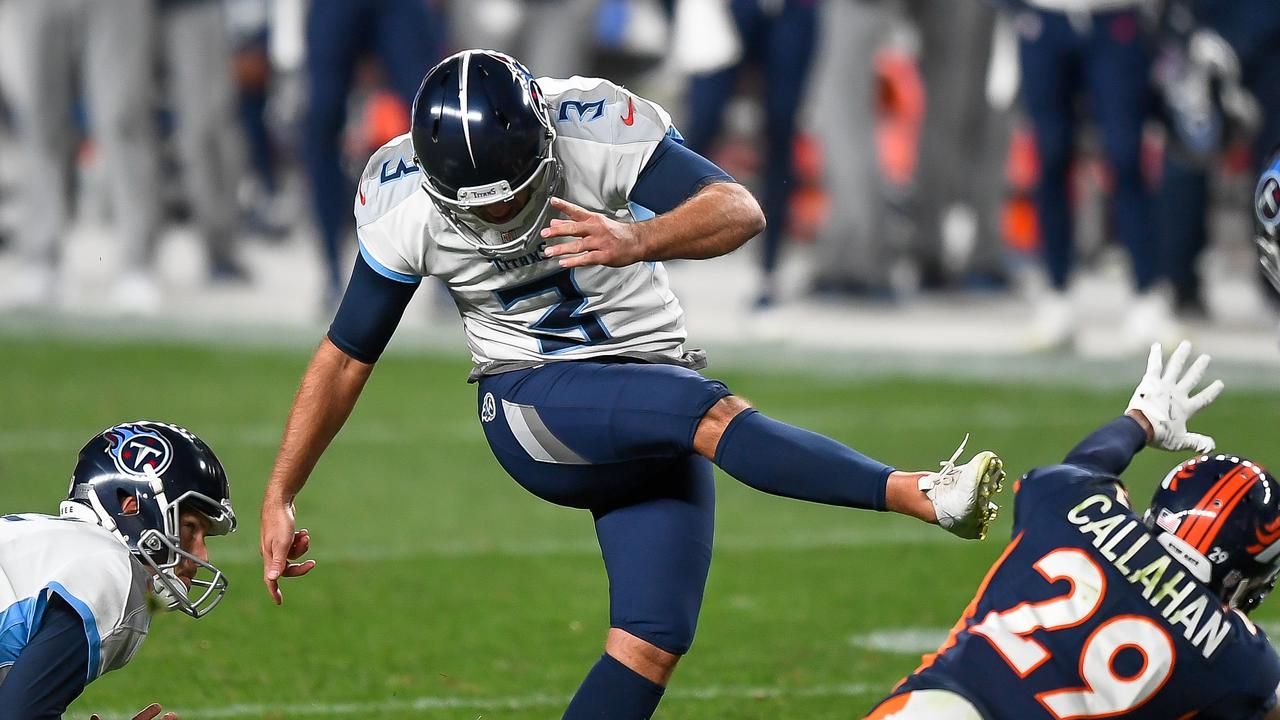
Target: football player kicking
1095	610
76	591
586	392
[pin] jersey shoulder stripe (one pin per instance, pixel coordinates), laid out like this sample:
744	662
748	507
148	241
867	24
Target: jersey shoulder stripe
389	178
597	110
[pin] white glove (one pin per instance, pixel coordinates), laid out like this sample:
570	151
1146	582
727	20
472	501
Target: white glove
1166	402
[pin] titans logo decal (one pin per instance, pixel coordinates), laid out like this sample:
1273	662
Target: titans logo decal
138	450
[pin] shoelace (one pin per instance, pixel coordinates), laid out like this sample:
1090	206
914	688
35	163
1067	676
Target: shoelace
948	468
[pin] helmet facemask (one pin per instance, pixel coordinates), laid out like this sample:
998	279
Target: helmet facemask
1267	220
161	550
516	236
167	586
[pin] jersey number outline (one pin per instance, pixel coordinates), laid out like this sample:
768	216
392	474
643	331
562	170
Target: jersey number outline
1105	693
564	316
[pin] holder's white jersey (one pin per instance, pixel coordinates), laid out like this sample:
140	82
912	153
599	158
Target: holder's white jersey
89	568
527	311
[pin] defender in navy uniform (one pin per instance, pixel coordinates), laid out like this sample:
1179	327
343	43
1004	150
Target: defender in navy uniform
1095	610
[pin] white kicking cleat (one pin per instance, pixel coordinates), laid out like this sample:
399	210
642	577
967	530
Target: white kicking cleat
961	495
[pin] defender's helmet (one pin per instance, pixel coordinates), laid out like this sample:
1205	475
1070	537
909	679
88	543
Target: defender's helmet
1266	206
167	469
1220	515
482	135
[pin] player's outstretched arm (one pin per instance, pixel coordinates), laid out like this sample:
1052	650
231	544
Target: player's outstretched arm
328	392
718	219
1157	415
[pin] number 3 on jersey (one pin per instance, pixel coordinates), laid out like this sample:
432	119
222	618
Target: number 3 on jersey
564	316
1105	692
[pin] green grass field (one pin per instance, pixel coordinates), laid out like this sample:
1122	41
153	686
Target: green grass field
443	590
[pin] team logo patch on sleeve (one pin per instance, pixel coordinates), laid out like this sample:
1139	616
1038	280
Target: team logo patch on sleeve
138	450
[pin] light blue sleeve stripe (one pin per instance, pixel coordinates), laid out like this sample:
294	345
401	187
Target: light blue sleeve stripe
640	212
385	271
90	628
16	623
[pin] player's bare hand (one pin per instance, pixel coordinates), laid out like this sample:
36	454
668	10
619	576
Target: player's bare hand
150	712
280	544
592	238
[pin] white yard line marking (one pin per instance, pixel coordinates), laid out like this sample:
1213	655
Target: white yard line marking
517	702
902	641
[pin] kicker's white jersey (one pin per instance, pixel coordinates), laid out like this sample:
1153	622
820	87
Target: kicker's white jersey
89	568
526	310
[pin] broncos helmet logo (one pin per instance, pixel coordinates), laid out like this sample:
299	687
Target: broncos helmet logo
138	450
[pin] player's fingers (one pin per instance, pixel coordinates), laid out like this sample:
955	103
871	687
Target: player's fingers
1177	360
573	211
1199	443
566	228
149	712
568	247
595	257
299	569
1154	360
1194	374
301	544
273	560
1201	399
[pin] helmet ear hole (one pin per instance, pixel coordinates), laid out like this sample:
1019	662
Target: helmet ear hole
128	502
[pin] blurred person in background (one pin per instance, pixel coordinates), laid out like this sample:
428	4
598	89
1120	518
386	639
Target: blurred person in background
407	36
112	42
850	250
555	36
1101	49
779	36
1220	80
964	141
195	52
261	185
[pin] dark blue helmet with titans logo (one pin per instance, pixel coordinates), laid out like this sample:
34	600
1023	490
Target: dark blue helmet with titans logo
166	469
482	135
1266	210
1220	515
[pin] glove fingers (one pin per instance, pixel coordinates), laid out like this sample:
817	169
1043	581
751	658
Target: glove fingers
1199	443
1201	399
1155	360
1194	373
1176	361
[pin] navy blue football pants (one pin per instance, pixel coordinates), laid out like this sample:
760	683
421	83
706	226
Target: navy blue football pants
783	45
406	36
631	464
1110	60
616	438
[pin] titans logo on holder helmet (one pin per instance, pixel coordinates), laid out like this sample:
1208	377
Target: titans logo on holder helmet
138	450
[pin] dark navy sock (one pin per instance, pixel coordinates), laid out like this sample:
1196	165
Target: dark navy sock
781	459
613	691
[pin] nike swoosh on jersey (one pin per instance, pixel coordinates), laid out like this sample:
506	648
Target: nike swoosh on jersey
630	117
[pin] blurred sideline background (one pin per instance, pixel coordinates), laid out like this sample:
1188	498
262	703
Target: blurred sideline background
905	198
